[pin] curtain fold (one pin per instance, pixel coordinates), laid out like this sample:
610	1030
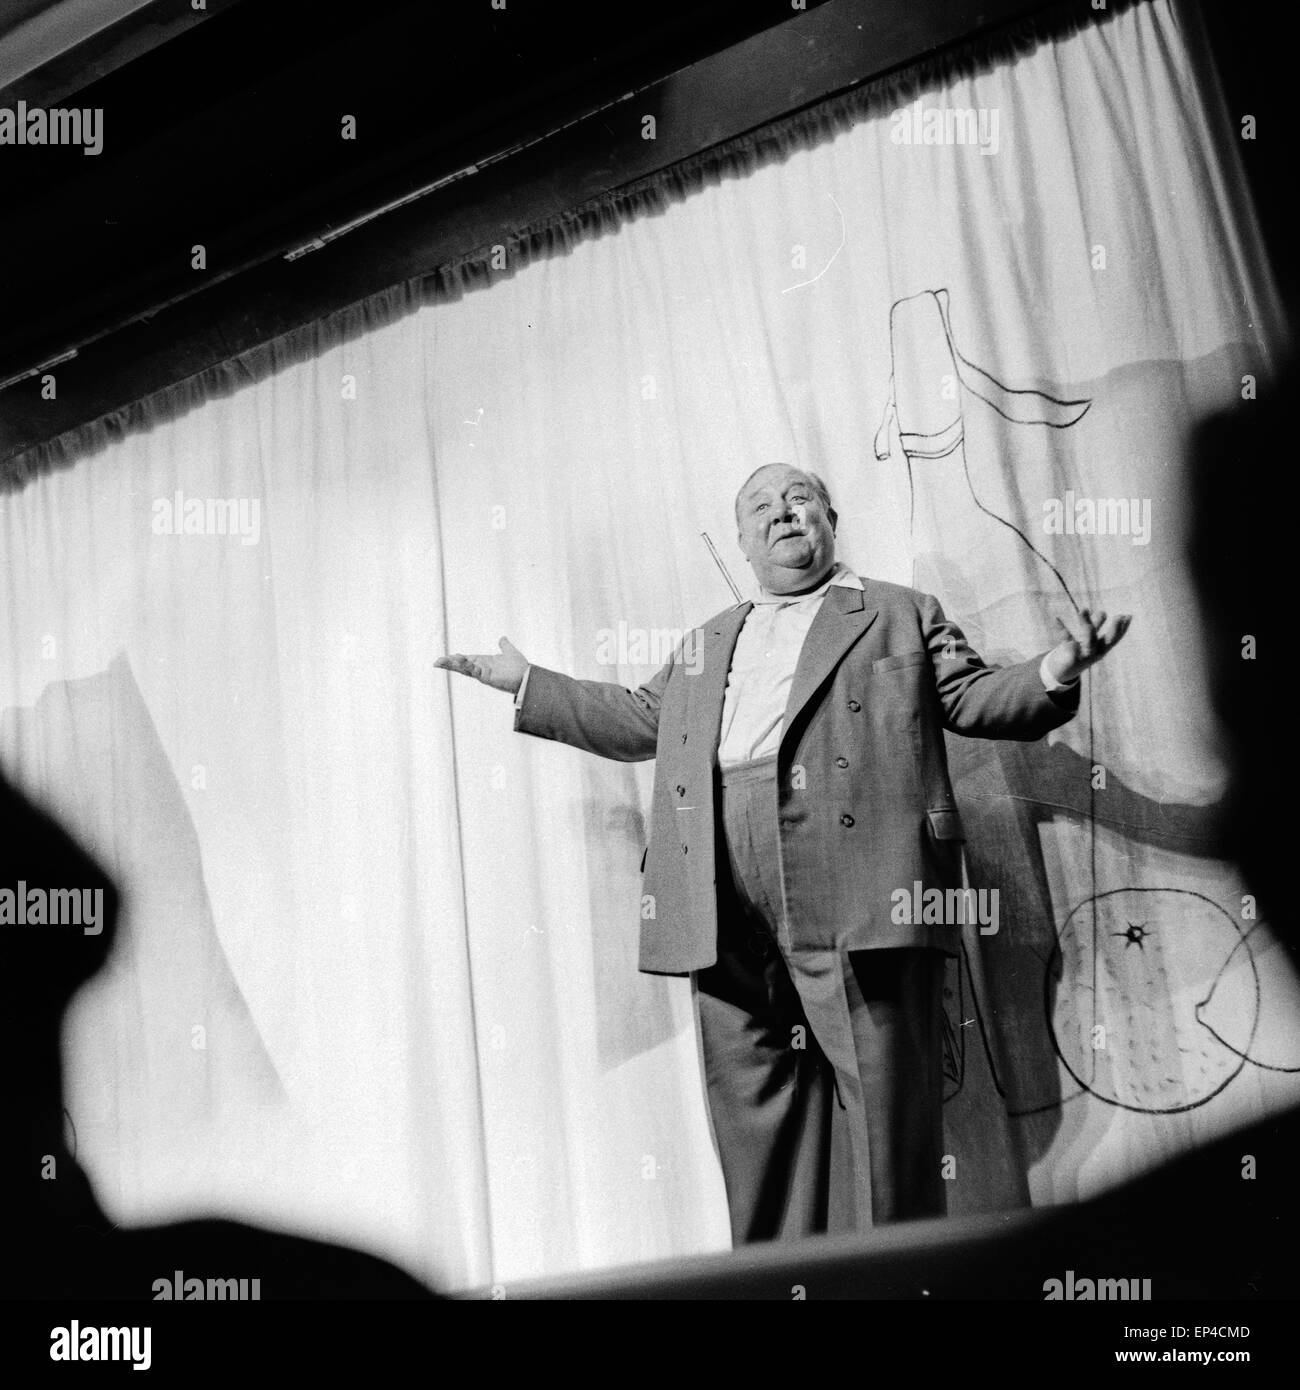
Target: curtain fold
377	968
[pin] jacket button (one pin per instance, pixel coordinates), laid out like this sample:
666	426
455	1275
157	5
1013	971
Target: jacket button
846	820
841	762
854	706
683	738
681	791
686	849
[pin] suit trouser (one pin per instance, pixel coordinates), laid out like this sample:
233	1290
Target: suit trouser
823	1068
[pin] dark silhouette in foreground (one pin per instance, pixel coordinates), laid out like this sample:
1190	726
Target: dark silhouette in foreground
60	1243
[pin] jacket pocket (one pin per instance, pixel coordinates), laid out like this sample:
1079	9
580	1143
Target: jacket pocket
945	823
893	663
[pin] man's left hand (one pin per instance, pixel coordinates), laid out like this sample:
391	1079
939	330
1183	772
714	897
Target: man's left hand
1088	637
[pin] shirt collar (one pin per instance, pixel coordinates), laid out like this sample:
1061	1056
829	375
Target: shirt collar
841	575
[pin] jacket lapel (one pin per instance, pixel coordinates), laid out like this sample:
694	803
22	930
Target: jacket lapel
843	617
709	688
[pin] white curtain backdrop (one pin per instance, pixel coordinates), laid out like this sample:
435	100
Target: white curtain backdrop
376	973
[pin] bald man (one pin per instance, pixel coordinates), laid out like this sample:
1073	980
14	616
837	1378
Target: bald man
802	805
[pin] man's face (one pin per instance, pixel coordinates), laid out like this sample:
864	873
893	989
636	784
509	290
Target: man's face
786	534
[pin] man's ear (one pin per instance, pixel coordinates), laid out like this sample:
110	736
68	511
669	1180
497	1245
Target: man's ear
834	516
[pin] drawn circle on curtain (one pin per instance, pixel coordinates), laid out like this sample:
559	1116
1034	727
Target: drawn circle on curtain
1219	1016
1120	954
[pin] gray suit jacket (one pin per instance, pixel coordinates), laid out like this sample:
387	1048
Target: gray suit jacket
864	803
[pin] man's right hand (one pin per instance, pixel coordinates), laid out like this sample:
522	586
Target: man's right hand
502	672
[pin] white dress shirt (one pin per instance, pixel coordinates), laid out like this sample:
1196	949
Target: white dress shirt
762	669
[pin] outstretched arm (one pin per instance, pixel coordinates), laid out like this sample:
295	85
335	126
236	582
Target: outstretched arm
1014	702
596	716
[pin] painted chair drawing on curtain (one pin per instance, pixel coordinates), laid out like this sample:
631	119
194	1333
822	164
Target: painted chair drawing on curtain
1145	996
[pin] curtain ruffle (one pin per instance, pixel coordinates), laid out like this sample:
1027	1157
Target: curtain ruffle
732	159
